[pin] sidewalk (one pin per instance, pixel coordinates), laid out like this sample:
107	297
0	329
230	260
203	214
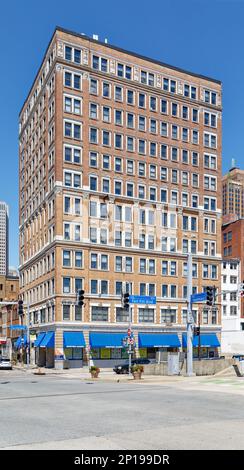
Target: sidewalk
106	375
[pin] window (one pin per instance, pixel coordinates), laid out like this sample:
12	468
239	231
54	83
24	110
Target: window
168	315
72	80
146	315
210	97
66	285
93	135
99	313
66	312
130	97
72	154
93	183
72	130
78	259
106	90
118	93
122	315
142	123
66	258
142	100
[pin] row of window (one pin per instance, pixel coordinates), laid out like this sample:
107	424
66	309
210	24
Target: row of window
168	268
73	180
72	231
72	205
100	261
142	168
141	146
126	71
71	312
132	120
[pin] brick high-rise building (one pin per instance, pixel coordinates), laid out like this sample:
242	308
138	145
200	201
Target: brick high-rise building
4	244
120	177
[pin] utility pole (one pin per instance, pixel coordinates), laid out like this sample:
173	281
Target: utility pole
28	336
130	350
189	359
199	336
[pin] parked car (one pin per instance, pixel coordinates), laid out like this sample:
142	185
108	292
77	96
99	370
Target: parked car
239	357
124	368
5	364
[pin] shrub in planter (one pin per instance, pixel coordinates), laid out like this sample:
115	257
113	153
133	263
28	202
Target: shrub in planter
94	371
137	370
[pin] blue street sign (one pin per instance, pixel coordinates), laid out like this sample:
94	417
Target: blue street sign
201	297
142	299
17	327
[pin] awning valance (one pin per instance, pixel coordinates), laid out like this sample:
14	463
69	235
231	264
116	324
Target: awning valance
107	340
39	339
159	340
48	340
207	340
74	339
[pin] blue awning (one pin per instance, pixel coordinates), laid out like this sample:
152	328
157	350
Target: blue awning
207	340
21	341
159	340
107	340
48	340
39	339
17	342
74	339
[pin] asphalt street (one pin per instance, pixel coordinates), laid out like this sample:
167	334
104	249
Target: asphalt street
56	412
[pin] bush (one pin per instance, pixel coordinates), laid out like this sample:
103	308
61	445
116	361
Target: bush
94	369
137	368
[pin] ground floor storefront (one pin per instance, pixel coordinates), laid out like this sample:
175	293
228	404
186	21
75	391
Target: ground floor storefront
60	348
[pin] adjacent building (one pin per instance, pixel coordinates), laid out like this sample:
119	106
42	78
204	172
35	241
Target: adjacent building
232	336
233	194
119	177
9	291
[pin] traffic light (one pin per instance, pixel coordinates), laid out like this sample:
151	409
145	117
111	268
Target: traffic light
20	308
196	331
80	297
210	296
125	301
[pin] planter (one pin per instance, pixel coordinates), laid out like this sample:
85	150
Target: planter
94	375
137	375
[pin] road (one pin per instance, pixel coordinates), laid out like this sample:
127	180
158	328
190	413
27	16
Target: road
56	412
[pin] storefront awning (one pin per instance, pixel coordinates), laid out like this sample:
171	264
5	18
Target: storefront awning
107	340
209	340
158	340
74	339
21	341
39	339
48	340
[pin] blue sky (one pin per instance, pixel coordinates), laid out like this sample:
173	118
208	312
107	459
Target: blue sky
199	35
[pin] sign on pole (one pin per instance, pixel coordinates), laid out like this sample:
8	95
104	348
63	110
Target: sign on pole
142	299
201	297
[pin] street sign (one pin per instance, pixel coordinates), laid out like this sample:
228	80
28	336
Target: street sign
201	297
142	299
17	327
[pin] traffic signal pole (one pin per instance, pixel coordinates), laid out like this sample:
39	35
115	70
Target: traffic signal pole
189	355
130	350
28	336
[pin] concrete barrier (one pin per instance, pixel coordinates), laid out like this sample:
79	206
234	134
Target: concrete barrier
203	367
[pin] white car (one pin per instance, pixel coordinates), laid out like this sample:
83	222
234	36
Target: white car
5	364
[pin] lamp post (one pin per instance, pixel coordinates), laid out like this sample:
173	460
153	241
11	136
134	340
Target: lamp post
189	359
